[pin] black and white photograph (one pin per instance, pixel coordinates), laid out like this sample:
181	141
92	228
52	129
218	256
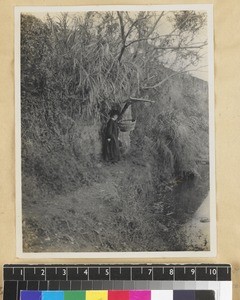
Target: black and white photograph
115	131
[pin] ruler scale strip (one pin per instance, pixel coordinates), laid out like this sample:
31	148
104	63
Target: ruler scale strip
113	277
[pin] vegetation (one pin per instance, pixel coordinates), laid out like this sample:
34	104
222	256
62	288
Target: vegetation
74	69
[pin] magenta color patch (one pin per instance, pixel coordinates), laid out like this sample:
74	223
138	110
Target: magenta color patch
139	295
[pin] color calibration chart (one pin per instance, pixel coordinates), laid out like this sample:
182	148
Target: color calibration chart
118	295
118	282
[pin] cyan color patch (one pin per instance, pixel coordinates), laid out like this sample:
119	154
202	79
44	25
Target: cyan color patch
52	295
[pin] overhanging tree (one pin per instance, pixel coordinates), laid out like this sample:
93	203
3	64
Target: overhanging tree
92	61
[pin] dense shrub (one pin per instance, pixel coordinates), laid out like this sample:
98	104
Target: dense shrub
73	71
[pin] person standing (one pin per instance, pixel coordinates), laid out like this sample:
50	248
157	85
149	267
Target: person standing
112	150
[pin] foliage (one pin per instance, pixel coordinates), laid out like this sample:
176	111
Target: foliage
80	66
96	59
75	68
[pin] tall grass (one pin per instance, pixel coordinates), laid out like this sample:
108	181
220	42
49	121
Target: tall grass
71	73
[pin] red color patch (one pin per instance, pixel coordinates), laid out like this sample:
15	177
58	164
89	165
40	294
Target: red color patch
118	295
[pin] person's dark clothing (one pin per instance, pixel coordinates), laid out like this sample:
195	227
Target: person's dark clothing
111	147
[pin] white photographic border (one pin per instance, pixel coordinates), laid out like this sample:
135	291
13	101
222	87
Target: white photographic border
106	255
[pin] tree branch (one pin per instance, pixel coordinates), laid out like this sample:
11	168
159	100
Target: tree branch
143	39
136	41
155	24
180	47
172	75
121	27
175	29
122	35
149	34
132	25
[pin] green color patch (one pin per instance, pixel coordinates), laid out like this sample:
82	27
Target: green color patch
74	295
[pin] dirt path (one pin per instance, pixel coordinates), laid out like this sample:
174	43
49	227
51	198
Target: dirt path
105	216
102	216
71	222
197	230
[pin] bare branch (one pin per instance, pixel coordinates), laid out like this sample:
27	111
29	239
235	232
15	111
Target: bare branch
172	75
149	34
121	27
155	24
132	25
146	39
138	40
174	30
122	35
181	47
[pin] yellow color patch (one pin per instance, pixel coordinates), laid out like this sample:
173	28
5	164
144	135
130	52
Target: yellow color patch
96	295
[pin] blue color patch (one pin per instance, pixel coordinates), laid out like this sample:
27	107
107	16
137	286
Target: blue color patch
30	295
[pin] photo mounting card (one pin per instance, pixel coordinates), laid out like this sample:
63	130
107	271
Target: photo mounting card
115	131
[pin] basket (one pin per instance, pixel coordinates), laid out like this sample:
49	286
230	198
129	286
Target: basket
127	125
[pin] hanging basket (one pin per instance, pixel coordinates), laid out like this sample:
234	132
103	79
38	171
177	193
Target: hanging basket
127	125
